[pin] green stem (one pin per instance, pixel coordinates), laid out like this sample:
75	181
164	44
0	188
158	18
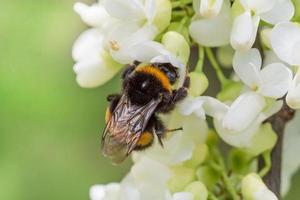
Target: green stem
223	80
227	183
211	196
199	66
267	160
180	3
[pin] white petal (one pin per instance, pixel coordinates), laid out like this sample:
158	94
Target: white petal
89	45
129	190
179	146
283	10
97	192
240	139
183	196
102	192
293	96
125	9
244	31
243	111
94	72
126	35
258	6
290	163
146	51
213	32
276	79
264	194
192	105
214	107
247	66
150	177
284	36
271	57
150	9
210	8
94	15
295	53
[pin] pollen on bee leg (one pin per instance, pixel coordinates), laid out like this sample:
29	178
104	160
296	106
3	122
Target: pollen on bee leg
114	45
145	139
107	115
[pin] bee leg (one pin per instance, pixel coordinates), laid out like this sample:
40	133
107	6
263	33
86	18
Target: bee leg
159	129
114	100
129	69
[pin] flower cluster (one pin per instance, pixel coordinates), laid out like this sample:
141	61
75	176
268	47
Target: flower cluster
257	41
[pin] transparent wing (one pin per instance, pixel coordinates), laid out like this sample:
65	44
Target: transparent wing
124	128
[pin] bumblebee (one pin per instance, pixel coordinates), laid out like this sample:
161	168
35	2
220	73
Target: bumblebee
131	118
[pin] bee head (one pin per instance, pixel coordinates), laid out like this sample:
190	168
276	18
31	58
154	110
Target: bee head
169	70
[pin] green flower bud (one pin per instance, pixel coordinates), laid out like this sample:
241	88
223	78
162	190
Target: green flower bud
225	56
208	176
180	28
239	161
253	188
265	36
182	176
212	138
237	9
199	155
264	139
198	189
231	91
199	84
176	44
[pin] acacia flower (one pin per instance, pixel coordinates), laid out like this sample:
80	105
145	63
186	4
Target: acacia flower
285	41
213	31
137	21
245	25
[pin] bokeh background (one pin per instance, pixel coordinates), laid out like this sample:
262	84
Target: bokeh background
50	127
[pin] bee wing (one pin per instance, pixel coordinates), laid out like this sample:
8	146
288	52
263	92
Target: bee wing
124	128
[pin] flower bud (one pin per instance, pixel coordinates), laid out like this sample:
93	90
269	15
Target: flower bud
253	188
162	14
198	189
199	84
177	45
230	91
208	176
182	176
199	155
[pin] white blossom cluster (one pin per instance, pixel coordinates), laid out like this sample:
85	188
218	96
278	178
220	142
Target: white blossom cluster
258	38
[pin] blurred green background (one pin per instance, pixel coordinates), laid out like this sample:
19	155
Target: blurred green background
50	127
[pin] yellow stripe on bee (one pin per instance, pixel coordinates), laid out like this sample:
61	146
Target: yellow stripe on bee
145	139
158	74
107	115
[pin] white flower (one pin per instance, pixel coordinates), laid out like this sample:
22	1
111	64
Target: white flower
271	81
245	25
94	66
285	42
138	21
94	15
253	188
215	31
207	8
105	192
246	127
